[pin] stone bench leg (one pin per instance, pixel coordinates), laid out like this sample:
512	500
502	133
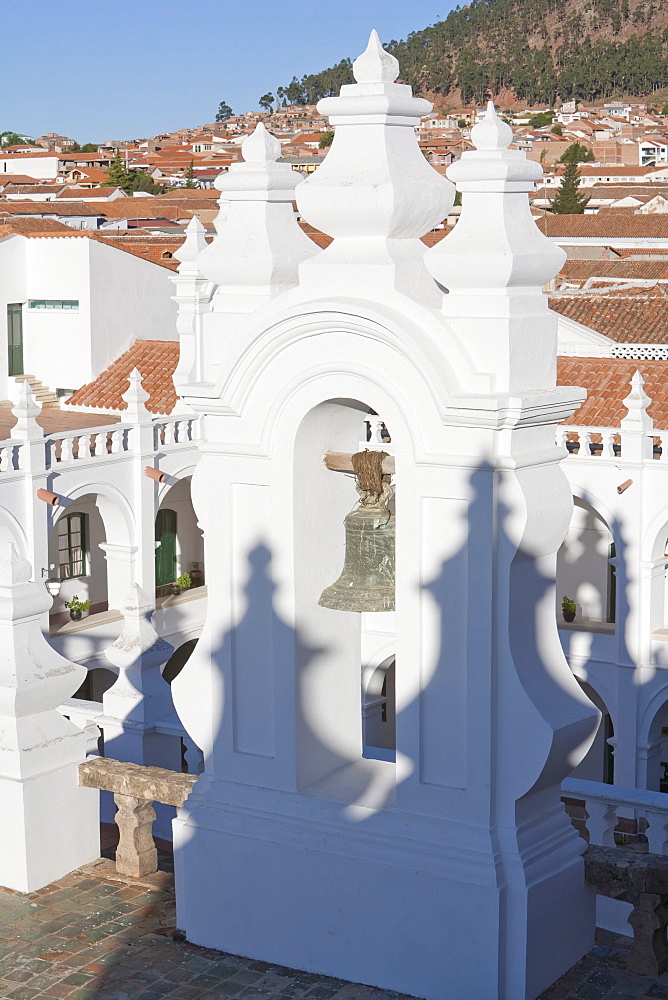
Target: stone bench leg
649	920
136	854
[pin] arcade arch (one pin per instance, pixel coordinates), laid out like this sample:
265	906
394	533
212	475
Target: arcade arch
599	762
586	571
179	539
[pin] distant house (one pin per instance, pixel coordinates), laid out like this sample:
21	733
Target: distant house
653	150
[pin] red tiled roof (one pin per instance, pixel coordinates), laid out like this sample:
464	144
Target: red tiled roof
608	382
27	226
580	270
156	249
605	226
156	361
627	315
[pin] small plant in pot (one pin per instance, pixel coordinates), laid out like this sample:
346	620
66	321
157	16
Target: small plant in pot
77	608
181	583
568	609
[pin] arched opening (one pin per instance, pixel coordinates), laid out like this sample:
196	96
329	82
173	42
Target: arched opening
178	660
97	681
379	711
599	762
586	567
179	554
655	750
79	561
658	610
330	719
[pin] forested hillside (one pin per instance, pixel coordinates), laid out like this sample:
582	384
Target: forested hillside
534	50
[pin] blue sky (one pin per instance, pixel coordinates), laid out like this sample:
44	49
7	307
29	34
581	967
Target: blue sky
132	68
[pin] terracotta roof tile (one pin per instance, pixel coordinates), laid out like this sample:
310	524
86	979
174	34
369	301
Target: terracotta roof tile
156	361
608	383
605	226
634	315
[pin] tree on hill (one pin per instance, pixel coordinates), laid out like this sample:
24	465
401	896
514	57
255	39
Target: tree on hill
539	49
118	175
326	139
568	199
191	182
89	147
577	152
224	112
557	129
266	102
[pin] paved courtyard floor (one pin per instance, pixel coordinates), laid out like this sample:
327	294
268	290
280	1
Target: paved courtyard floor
95	935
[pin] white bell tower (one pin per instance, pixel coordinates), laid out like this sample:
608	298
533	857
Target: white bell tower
453	871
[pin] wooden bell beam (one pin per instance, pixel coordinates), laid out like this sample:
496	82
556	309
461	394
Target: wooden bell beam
341	461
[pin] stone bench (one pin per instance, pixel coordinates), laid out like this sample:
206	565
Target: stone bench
642	880
135	788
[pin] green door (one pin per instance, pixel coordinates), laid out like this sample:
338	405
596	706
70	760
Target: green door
15	337
165	554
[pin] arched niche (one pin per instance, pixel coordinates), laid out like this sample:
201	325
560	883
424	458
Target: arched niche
658	569
653	744
379	713
109	543
179	539
585	572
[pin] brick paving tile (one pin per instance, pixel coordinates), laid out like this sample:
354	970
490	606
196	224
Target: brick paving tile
97	936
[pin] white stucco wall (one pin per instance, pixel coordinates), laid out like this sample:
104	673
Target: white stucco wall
130	300
121	298
39	167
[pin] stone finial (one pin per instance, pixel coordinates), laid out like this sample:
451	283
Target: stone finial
26	412
136	398
255	254
374	193
375	65
139	693
637	418
496	244
260	146
492	132
193	243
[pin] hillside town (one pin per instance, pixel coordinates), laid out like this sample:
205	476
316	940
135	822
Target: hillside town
245	363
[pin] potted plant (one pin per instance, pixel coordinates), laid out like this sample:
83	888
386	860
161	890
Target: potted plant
181	583
77	608
568	609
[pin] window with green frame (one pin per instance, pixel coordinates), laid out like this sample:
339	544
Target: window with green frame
53	304
72	546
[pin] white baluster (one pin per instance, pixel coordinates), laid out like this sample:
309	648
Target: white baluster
585	441
168	437
601	822
114	442
66	444
608	441
657	831
193	755
4	457
562	435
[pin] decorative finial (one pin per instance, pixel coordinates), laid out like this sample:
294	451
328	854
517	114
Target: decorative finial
260	146
193	243
637	400
375	65
491	132
135	396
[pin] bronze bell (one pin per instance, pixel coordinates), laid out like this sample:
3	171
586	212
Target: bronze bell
367	579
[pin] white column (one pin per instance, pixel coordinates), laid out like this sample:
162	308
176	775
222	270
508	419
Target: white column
48	824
